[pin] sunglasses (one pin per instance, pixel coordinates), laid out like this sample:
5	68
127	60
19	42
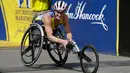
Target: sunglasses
60	11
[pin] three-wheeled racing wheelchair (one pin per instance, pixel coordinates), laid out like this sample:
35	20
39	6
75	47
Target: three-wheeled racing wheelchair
35	40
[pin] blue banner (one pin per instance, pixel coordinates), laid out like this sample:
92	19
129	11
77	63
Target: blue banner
94	22
2	26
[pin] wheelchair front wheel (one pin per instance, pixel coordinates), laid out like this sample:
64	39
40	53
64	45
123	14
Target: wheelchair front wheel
89	59
31	45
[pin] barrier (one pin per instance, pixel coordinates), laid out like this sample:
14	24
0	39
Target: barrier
17	17
2	27
92	22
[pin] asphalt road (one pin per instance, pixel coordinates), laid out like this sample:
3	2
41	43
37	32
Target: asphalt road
10	62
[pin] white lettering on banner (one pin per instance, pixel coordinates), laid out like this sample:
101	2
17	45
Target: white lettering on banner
86	16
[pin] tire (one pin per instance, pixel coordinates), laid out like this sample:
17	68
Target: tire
84	57
57	55
34	42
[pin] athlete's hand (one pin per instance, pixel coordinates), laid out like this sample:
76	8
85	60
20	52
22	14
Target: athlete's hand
65	43
70	40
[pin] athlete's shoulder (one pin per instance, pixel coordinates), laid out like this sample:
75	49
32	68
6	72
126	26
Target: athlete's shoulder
50	14
65	16
47	17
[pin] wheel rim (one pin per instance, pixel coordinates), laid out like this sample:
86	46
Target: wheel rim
31	52
90	66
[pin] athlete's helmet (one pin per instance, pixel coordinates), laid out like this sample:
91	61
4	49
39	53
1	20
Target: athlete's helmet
60	6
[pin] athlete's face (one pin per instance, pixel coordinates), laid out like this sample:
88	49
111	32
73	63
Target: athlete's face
58	15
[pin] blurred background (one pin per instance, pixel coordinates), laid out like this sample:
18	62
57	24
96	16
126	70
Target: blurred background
102	23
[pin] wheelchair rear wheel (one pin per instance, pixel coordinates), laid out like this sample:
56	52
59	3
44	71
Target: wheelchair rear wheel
57	54
31	45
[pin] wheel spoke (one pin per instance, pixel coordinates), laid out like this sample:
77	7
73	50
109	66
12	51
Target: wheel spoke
33	54
26	50
86	58
60	55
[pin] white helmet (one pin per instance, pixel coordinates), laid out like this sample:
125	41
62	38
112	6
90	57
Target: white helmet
60	6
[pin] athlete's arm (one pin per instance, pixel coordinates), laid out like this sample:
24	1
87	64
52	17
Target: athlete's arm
67	27
49	31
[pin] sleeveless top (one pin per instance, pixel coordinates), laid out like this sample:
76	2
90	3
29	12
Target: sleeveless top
52	20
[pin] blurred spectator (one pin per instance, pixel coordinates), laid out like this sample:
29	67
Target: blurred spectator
40	6
20	2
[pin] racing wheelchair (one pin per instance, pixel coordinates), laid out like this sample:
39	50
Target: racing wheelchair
35	40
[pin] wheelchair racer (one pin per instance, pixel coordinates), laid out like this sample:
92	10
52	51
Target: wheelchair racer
52	19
